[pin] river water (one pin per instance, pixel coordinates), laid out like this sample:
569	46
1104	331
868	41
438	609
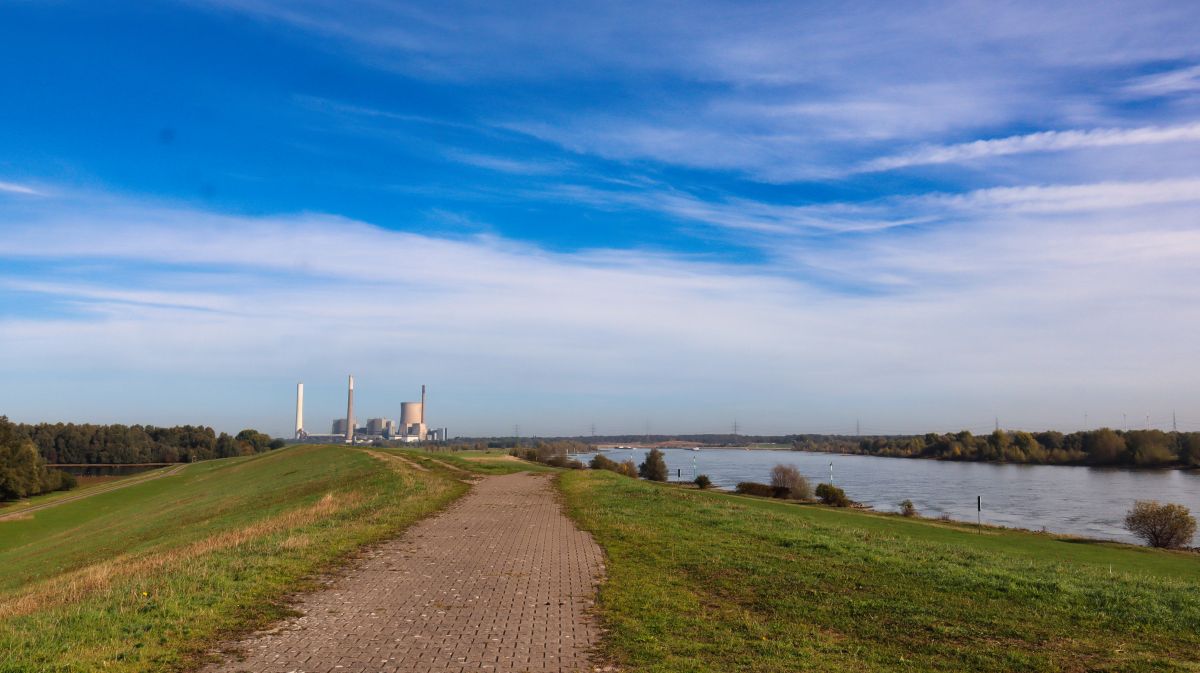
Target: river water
106	470
1084	501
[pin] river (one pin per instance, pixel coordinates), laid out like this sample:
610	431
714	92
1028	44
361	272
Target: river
108	469
1085	501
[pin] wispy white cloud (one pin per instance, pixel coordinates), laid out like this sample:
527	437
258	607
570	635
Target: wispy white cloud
1045	141
772	221
508	165
15	188
1181	80
1107	196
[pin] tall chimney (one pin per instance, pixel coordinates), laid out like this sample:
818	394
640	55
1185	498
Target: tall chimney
422	403
350	412
299	410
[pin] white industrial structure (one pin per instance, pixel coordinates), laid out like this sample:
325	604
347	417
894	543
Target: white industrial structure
300	434
350	413
412	426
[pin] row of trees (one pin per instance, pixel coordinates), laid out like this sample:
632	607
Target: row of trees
71	443
26	450
22	471
1142	448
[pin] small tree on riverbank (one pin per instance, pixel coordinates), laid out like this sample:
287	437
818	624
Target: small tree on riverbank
832	495
1167	526
789	483
654	468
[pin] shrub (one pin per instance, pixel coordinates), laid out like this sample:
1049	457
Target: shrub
654	467
1161	525
703	481
563	461
789	483
907	508
832	495
603	462
546	452
755	488
628	468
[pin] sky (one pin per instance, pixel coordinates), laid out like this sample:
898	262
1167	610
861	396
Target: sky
635	217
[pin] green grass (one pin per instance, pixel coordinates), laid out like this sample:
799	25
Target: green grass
13	506
704	581
480	462
149	576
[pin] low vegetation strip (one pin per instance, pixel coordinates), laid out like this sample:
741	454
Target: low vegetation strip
704	581
151	576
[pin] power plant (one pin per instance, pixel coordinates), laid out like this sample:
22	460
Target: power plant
411	428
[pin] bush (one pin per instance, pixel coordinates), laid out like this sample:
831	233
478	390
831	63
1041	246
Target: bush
627	468
1161	525
907	508
603	462
789	483
563	461
654	467
832	495
703	481
755	488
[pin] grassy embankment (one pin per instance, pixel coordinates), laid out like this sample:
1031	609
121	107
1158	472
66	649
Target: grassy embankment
704	581
149	576
480	462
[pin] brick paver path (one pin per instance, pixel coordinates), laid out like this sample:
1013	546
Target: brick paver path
500	581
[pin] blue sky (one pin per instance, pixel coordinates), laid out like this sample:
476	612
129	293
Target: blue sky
633	215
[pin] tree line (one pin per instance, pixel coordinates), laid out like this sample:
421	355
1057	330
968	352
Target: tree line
27	450
1138	448
82	443
22	471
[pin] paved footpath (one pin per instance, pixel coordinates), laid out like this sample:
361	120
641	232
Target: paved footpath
500	581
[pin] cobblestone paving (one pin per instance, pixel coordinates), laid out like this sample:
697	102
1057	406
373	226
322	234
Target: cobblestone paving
501	581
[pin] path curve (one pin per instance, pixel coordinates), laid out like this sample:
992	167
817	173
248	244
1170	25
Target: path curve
97	490
501	581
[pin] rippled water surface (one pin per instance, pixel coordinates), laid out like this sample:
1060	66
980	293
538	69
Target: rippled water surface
1085	501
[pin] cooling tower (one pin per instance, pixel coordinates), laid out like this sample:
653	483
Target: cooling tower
411	413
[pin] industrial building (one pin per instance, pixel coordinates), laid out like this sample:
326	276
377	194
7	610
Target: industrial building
411	428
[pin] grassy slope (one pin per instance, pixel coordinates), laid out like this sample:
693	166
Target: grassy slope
147	577
481	462
85	484
703	581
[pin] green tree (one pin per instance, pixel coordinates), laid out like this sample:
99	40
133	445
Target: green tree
1169	526
654	467
1151	447
1104	447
